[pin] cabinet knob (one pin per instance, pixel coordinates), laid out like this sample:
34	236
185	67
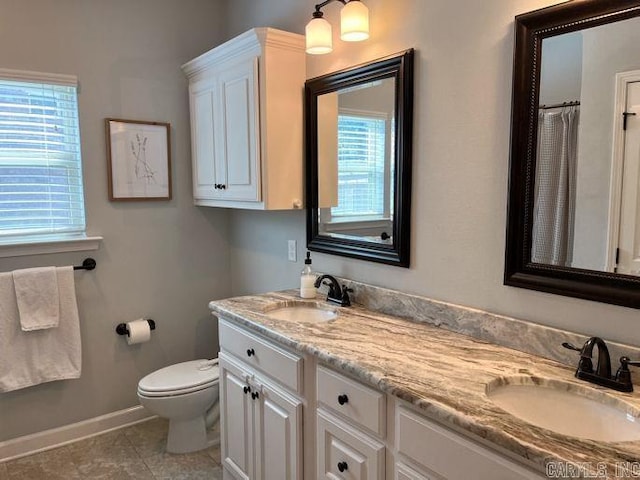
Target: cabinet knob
342	399
223	186
255	395
251	352
246	389
342	466
216	186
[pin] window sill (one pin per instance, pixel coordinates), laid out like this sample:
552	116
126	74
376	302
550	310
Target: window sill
20	247
340	226
359	219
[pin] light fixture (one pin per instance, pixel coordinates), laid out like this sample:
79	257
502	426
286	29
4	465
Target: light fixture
354	26
354	22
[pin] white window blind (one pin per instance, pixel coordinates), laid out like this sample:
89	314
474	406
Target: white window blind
41	191
361	166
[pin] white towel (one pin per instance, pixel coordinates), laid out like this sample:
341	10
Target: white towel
37	296
30	358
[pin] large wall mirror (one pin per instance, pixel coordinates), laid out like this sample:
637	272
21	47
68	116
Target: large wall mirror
358	150
574	195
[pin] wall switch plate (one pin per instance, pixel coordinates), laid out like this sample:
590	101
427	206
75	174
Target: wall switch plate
293	251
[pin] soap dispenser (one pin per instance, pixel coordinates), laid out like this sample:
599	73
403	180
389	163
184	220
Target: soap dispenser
307	280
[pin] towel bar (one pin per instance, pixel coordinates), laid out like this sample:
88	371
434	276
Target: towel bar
87	264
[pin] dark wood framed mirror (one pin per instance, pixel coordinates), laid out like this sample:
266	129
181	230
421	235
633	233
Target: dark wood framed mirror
573	213
358	126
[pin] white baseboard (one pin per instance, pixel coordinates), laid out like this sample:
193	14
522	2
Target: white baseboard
57	437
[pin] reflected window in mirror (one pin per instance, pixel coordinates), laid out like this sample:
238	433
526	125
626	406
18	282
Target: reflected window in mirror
574	216
358	202
359	125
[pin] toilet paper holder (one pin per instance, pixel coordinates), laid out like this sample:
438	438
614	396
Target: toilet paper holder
122	329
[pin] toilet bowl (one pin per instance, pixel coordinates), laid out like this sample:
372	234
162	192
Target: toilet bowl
187	395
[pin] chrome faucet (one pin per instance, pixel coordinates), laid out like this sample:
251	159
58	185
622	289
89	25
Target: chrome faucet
336	293
602	375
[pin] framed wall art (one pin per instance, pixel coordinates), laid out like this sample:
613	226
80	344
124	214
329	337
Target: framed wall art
138	159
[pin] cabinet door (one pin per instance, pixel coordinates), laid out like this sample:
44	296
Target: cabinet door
203	99
449	454
278	435
346	453
236	417
237	132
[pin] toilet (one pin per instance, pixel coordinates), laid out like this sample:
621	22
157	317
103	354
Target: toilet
187	395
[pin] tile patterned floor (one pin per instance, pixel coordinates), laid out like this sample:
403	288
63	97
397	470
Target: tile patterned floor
135	453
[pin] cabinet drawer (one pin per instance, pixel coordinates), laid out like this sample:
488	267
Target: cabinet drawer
363	405
346	453
283	366
449	454
404	472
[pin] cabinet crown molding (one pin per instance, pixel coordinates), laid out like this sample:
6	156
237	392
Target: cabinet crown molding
251	42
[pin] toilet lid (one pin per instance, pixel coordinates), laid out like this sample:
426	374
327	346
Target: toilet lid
181	376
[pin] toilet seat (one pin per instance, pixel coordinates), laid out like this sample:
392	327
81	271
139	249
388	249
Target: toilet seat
180	379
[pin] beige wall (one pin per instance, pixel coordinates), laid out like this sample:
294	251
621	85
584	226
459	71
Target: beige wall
164	260
561	69
461	156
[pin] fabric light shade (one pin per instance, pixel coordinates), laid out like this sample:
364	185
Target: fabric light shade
318	36
354	22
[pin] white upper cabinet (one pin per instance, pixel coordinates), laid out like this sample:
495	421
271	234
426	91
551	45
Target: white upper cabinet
246	102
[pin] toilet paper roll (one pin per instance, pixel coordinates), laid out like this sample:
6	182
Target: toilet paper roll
139	331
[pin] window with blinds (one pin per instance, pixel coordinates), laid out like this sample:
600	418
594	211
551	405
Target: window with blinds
41	191
361	167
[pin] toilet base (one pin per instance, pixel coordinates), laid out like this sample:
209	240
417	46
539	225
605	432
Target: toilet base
178	394
187	436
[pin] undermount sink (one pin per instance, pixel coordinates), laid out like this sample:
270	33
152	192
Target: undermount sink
302	312
566	408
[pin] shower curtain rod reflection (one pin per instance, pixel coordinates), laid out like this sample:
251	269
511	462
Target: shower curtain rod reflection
558	105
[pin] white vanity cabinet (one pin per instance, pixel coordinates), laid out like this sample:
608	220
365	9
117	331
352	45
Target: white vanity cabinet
246	103
261	419
351	431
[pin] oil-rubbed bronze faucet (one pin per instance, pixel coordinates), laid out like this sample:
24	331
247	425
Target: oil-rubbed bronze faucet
602	375
336	294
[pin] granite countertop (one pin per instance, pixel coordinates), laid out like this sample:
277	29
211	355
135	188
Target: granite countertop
442	372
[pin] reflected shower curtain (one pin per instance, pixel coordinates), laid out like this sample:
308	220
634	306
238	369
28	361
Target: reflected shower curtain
555	195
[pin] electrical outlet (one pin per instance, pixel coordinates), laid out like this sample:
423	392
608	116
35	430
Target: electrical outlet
293	251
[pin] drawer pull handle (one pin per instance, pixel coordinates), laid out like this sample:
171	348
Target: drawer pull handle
342	399
251	352
255	395
246	389
342	466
